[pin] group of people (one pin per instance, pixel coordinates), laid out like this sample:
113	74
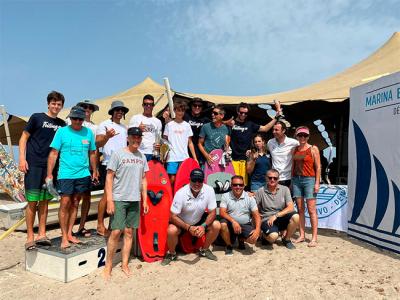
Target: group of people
67	153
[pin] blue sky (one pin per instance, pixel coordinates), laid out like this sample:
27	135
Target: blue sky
93	49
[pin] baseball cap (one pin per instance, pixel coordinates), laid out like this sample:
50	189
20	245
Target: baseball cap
197	174
135	131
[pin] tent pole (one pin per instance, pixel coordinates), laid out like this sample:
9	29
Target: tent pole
5	121
169	96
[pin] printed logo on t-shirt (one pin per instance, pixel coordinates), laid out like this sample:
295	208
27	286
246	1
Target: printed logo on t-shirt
195	124
50	125
85	142
134	161
240	128
149	128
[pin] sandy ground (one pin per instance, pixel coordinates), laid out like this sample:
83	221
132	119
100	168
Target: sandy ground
340	267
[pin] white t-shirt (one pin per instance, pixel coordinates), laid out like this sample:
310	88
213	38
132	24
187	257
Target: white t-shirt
189	208
117	142
90	125
153	126
282	156
178	135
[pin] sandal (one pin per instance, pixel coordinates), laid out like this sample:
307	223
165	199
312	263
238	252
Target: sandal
44	241
312	244
29	246
83	232
299	240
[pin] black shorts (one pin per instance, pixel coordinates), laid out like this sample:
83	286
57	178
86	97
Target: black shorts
285	182
102	179
280	224
246	230
73	186
34	184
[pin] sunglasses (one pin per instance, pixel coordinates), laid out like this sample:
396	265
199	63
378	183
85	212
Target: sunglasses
243	113
196	180
148	104
237	184
85	106
215	113
272	178
302	135
76	119
197	105
119	109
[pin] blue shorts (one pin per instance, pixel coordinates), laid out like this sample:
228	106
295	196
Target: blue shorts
73	186
303	187
173	166
149	157
255	185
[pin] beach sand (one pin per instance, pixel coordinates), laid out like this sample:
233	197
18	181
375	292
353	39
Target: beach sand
340	267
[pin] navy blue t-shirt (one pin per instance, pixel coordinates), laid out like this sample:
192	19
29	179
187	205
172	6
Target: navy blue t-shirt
42	129
241	136
262	165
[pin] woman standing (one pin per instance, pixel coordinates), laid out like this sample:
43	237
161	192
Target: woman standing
306	175
258	163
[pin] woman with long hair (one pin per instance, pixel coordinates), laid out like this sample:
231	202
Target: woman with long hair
306	176
258	162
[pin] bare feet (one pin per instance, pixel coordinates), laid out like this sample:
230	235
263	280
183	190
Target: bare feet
127	271
107	274
65	245
299	240
312	244
74	240
103	231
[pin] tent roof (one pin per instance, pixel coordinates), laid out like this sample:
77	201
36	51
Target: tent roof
382	62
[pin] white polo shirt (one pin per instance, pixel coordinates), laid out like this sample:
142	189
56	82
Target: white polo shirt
189	208
282	156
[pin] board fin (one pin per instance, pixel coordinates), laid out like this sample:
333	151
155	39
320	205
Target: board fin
155	198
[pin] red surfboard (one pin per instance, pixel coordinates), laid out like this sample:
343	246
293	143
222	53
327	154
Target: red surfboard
153	226
183	174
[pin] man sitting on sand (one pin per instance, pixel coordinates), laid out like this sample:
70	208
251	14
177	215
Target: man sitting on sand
237	209
188	214
76	145
125	185
277	210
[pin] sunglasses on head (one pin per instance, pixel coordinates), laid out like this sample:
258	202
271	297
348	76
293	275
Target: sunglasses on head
148	104
85	106
302	135
76	119
238	184
243	113
272	178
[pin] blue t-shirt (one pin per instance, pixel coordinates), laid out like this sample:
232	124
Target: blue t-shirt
262	165
214	137
74	147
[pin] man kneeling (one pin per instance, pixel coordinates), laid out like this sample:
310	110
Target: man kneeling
237	209
277	210
188	214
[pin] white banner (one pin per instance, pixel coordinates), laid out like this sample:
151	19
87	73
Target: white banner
374	162
331	207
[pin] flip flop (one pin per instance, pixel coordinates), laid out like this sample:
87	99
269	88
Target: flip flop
83	232
44	241
29	246
312	244
297	241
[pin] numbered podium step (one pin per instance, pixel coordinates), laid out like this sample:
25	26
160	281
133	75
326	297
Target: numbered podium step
71	263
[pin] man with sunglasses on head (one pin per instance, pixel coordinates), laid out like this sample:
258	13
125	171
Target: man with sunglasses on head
111	136
75	145
89	108
149	125
242	133
277	210
188	214
280	147
237	210
214	135
33	153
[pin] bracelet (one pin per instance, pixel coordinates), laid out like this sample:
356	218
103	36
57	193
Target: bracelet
276	215
204	225
189	228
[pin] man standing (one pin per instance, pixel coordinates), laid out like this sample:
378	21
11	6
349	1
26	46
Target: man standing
280	148
33	152
242	133
149	125
214	135
188	214
75	144
126	185
111	136
237	209
277	210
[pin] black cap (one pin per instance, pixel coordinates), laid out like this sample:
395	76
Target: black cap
197	174
135	131
77	112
